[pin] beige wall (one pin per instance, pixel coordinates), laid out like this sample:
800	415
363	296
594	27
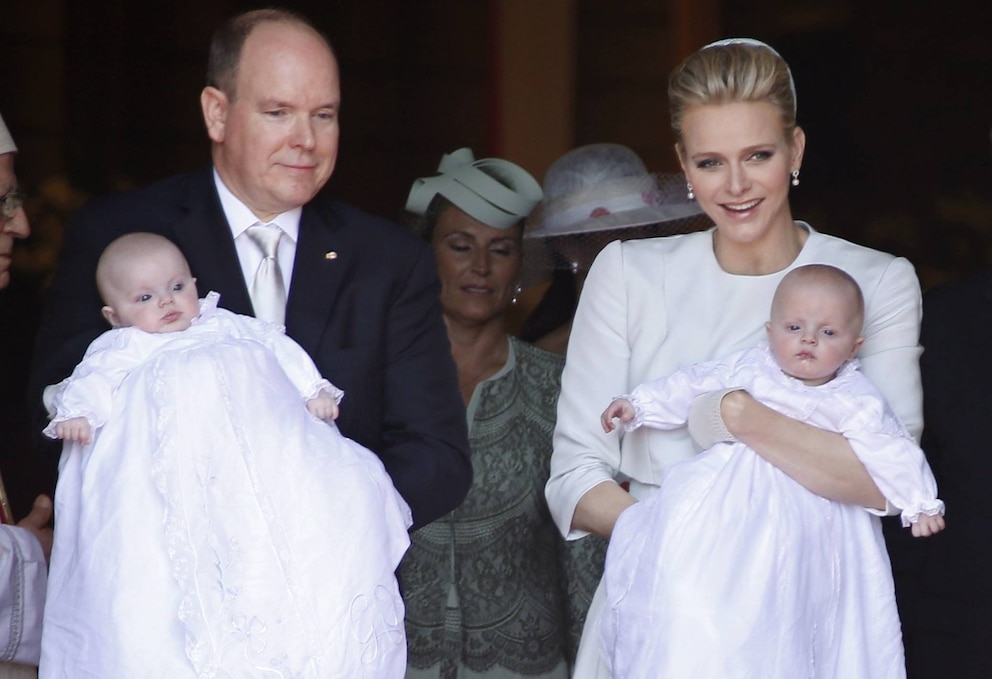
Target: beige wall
536	80
572	73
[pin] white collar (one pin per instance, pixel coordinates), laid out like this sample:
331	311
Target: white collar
240	217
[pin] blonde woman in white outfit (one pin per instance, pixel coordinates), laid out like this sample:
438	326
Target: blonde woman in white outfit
652	306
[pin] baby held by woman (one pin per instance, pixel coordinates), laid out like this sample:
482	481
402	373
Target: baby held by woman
732	568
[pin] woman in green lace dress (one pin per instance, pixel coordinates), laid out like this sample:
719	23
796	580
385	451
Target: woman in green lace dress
491	589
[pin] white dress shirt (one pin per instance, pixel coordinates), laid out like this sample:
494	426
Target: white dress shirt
240	217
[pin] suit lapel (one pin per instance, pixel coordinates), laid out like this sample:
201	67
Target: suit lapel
324	254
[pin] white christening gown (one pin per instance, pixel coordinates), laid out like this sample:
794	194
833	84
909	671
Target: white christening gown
732	569
214	528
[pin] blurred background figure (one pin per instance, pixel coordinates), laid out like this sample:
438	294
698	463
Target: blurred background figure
593	195
489	588
942	585
24	548
14	221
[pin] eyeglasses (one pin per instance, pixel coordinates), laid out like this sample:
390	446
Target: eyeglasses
12	202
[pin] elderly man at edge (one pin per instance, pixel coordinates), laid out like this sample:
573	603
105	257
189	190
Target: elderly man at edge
361	293
24	548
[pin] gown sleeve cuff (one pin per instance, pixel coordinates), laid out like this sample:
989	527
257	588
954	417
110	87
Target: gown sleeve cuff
706	425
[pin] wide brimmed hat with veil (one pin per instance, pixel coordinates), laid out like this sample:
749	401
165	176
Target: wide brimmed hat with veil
601	190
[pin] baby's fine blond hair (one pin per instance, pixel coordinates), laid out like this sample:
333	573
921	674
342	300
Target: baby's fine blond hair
124	249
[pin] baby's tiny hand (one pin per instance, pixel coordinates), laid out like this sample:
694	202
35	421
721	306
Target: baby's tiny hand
621	409
926	525
323	406
76	429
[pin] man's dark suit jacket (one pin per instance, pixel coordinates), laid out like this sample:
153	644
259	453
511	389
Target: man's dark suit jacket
944	583
363	302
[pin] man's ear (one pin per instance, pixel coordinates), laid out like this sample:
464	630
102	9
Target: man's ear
111	316
214	104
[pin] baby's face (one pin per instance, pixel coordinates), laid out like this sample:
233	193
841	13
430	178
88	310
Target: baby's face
154	292
812	332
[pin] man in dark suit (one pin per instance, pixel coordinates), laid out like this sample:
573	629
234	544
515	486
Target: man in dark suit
944	583
362	292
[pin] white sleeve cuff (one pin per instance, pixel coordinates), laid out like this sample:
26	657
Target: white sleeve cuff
52	392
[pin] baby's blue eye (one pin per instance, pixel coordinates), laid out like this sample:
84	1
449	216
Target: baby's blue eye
144	298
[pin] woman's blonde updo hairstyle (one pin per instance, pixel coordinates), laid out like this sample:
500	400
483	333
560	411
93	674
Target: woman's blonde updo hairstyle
730	72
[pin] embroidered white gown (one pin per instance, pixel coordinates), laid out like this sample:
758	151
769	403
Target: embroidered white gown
214	528
732	569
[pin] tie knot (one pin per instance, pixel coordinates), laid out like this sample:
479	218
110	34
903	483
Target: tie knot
266	236
268	293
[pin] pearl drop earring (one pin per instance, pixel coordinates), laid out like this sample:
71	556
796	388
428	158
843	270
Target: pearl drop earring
516	293
692	196
795	177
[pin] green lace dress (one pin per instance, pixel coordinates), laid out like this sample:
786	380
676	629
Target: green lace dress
492	590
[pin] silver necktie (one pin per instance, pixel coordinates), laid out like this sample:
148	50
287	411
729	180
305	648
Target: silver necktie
268	293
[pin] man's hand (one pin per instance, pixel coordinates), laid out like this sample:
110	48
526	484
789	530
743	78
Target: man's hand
37	523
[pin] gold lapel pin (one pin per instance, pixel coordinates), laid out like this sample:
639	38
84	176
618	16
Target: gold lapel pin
330	255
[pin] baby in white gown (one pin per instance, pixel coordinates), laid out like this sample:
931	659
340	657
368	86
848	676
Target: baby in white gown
211	521
731	568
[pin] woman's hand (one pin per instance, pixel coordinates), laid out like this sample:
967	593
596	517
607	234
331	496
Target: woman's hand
821	461
598	510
